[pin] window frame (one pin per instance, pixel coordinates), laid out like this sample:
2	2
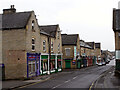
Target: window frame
65	51
44	45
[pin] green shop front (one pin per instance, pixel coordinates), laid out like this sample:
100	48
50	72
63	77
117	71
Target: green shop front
52	63
59	63
44	63
68	63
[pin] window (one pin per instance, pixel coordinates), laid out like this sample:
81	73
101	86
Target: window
33	44
33	25
67	50
51	46
44	45
58	47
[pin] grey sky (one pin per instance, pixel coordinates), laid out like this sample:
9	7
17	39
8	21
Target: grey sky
91	19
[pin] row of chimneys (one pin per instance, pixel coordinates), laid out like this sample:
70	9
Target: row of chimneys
9	11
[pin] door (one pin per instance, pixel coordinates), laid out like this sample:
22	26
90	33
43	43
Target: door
78	64
67	64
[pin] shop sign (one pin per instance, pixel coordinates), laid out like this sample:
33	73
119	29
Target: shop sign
75	52
117	54
73	62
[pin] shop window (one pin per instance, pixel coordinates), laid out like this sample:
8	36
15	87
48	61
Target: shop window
52	64
31	67
45	67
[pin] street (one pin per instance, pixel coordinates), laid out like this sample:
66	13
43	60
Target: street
79	78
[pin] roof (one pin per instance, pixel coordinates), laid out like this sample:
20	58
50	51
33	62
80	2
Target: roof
84	44
49	29
91	44
116	19
15	20
97	45
70	39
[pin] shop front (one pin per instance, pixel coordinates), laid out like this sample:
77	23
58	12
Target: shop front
52	63
59	63
44	64
33	64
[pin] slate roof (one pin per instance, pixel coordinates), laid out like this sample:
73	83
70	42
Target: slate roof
84	44
97	45
49	29
70	39
15	20
116	19
91	44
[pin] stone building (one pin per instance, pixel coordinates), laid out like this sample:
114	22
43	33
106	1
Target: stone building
97	49
51	47
85	49
116	29
92	45
71	50
20	36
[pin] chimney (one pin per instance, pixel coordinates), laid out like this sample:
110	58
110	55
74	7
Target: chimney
9	11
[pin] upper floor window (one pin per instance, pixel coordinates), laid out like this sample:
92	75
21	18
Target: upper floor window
67	51
33	25
58	47
51	46
44	45
33	44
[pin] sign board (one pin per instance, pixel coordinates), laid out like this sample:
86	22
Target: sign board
75	52
73	62
117	53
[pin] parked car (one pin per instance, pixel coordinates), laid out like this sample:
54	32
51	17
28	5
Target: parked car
99	61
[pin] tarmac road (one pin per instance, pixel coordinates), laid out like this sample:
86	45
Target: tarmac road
80	78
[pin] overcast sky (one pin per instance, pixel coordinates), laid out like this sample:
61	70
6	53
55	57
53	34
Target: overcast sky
91	19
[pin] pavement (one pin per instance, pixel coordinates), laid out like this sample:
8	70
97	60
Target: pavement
14	84
108	80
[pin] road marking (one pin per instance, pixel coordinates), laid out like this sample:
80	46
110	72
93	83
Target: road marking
91	86
75	77
67	81
56	86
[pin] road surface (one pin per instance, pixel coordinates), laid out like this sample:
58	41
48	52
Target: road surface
79	78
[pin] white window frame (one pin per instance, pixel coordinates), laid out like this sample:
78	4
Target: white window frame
52	47
65	51
33	24
44	46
